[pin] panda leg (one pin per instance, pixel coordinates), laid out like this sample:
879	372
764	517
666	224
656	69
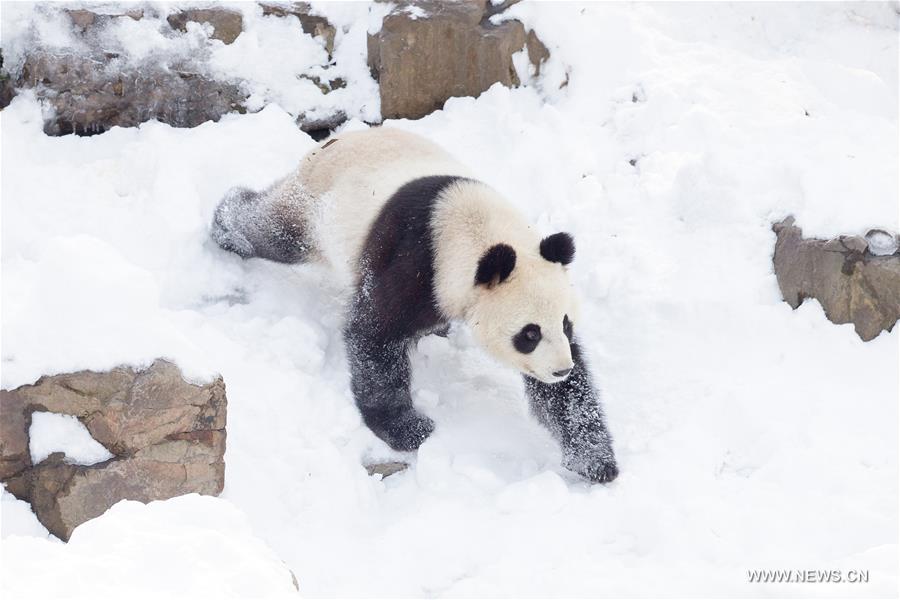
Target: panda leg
380	374
253	224
571	411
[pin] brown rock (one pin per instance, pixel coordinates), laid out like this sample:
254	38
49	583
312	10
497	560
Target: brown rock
851	284
89	97
84	20
227	24
313	25
537	51
453	50
168	436
14	424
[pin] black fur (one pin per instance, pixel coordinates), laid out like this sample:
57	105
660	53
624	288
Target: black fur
495	265
527	339
247	225
559	247
571	411
393	304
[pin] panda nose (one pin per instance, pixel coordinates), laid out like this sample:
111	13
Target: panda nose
562	373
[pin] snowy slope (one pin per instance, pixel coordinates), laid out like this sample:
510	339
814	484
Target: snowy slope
749	435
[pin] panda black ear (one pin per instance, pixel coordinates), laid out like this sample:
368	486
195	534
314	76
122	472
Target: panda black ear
559	247
496	265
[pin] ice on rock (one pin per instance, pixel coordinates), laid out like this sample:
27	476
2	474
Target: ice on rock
881	243
51	432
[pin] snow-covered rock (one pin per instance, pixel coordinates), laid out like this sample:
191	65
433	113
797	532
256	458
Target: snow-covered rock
153	434
185	65
226	24
429	51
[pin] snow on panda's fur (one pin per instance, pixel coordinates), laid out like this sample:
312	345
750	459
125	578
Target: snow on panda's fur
425	244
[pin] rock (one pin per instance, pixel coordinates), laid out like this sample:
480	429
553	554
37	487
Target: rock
491	9
386	469
537	51
429	51
325	85
7	91
84	20
319	123
852	284
167	435
14	455
227	24
314	25
88	97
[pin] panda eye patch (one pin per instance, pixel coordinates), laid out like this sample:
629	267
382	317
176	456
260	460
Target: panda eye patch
527	339
567	327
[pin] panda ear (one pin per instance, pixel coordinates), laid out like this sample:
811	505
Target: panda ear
495	265
559	247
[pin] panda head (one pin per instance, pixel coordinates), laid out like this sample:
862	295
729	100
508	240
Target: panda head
525	309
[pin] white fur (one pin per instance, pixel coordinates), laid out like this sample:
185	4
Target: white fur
469	218
343	184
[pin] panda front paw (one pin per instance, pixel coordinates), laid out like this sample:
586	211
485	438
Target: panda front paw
406	432
598	466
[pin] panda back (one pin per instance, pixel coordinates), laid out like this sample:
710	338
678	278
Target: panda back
351	176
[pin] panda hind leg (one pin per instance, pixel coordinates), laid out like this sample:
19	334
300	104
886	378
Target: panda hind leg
252	224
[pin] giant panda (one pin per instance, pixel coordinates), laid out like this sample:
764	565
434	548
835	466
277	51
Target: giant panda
424	243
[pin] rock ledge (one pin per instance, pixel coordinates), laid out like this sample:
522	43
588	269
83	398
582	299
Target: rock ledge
167	435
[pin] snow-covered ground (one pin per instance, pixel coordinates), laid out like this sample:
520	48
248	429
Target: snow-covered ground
749	436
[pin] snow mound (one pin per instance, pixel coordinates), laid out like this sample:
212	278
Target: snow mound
188	547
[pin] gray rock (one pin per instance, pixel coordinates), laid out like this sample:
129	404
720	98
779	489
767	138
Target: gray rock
85	20
386	469
851	284
91	94
452	50
167	435
7	90
312	122
227	24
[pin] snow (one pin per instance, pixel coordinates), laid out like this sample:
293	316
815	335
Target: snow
51	432
881	243
188	547
16	518
749	435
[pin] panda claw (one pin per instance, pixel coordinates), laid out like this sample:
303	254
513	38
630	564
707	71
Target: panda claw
605	474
